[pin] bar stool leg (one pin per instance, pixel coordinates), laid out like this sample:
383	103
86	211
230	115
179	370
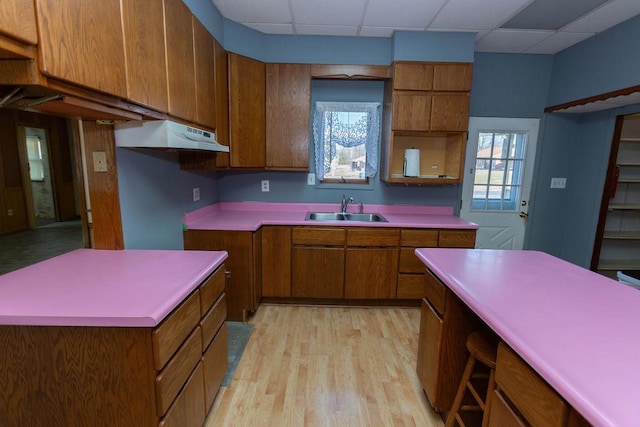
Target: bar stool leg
487	404
457	402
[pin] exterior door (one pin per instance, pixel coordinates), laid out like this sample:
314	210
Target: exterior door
497	179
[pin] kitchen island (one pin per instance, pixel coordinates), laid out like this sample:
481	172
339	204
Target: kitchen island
96	337
575	328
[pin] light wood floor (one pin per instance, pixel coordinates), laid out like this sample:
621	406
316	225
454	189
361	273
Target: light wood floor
327	366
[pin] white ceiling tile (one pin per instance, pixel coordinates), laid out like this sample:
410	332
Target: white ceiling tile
558	42
605	17
270	11
272	28
328	12
326	30
484	15
401	13
376	31
512	41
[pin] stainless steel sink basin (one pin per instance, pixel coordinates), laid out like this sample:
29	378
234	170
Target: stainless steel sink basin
339	216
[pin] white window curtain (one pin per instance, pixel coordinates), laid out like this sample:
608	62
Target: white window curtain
350	137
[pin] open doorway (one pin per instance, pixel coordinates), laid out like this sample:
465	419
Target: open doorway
43	205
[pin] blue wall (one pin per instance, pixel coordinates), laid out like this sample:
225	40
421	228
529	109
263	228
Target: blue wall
154	193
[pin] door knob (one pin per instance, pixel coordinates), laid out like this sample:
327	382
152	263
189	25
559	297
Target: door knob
523	214
523	203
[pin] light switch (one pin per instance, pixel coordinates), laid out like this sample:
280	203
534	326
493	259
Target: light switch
265	185
100	161
196	194
311	179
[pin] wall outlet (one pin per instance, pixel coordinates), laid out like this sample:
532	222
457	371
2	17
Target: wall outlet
196	194
558	182
100	161
311	179
265	185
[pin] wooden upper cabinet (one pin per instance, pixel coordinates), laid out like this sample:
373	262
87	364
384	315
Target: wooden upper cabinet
180	60
450	113
413	76
411	111
82	43
288	103
452	77
246	112
17	28
205	74
222	101
145	53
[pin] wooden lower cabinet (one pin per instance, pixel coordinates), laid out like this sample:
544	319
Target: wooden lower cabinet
371	273
317	272
276	261
429	342
116	376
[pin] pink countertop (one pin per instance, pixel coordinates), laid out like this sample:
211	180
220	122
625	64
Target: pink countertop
577	329
249	216
88	287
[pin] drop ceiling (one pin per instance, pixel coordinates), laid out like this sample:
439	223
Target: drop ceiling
501	26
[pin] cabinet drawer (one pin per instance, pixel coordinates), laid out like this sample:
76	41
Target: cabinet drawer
538	403
211	289
173	330
212	321
188	408
215	361
374	238
434	291
501	414
419	238
409	262
410	286
457	239
318	236
175	374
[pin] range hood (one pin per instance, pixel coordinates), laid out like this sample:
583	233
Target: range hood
165	134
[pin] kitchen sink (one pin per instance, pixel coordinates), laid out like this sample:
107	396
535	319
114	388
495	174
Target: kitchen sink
339	216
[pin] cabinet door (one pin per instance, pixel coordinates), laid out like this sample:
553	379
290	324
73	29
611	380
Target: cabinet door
429	344
452	77
83	45
450	112
256	263
222	102
288	114
205	74
145	53
317	272
276	261
411	111
501	414
371	273
180	60
17	22
246	112
413	76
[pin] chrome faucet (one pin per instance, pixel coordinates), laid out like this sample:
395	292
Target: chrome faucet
345	203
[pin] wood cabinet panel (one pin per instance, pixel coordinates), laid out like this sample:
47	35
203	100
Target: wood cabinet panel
343	71
317	272
457	239
501	414
18	20
211	289
450	113
413	76
180	60
374	238
205	73
434	291
429	350
145	53
539	404
247	112
452	77
276	261
419	238
188	409
222	160
215	362
288	100
174	329
409	262
178	369
411	111
211	321
256	266
318	236
410	286
92	32
371	273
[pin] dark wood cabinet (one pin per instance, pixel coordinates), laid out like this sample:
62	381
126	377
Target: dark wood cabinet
205	71
18	35
145	53
429	342
276	261
247	112
288	100
371	273
318	272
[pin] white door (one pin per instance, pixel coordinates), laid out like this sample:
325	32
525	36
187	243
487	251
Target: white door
497	179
